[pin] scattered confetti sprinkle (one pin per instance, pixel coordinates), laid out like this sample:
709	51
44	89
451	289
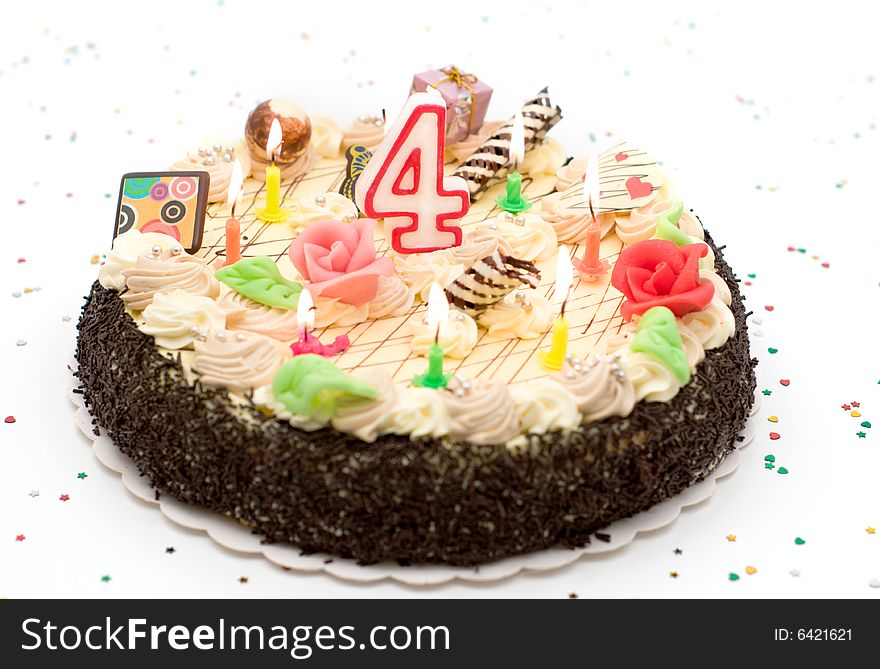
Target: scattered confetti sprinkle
865	423
773	419
772	351
82	475
678	551
845	407
769	307
770	457
855	414
66	319
673	574
795	572
767	392
9	419
874	583
856	404
784	382
861	434
826	265
774	436
94	259
757	321
21	342
243	579
64	498
731	537
733	577
782	470
572	595
105	578
799	541
871	530
751	570
34	493
171	550
20	537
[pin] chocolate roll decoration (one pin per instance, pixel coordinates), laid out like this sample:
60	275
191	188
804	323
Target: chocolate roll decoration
489	281
489	163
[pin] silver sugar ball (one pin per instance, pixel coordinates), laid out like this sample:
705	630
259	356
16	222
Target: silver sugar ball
156	250
378	122
508	217
459	392
567	358
229	149
209	160
202	335
227	157
569	374
176	250
527	306
459	317
220	336
217	148
320	200
240	337
349	218
194	331
203	151
493	226
519	220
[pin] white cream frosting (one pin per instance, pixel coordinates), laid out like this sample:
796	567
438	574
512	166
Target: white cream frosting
175	319
368	418
330	311
393	298
326	137
651	379
420	270
365	131
524	315
126	249
474	246
568	175
534	240
458	335
641	224
570	225
237	360
693	347
170	270
420	413
600	388
243	313
323	207
722	290
220	172
543	405
480	411
546	158
713	326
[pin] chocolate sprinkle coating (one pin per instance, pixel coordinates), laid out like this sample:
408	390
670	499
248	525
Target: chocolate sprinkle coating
430	501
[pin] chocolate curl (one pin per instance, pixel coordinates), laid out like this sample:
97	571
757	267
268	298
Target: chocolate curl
489	281
489	163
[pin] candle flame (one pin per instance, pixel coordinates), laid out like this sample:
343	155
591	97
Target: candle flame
564	276
591	184
273	143
517	140
305	311
438	306
236	183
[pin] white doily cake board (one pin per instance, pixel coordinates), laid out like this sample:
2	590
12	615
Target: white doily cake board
234	536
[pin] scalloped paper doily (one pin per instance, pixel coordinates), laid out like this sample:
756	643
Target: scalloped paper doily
234	536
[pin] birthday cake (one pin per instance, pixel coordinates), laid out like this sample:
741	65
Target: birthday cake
437	339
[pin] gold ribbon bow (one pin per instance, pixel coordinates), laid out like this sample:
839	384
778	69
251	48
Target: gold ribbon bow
462	80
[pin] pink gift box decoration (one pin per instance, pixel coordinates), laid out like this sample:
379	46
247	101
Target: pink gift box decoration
467	99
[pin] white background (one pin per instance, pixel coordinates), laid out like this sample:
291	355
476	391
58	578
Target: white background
763	114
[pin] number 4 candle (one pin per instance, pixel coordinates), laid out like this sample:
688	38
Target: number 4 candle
404	182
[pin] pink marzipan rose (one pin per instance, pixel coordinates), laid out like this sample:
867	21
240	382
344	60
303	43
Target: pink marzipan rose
339	260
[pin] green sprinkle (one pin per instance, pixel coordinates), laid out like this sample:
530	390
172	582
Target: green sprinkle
733	577
799	541
802	250
769	465
860	434
767	392
770	458
772	350
752	276
782	470
865	423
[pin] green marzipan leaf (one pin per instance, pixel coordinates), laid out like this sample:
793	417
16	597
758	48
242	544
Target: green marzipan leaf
260	280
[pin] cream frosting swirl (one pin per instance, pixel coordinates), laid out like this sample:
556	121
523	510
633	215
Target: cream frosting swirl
237	360
462	150
170	270
420	270
326	137
522	315
220	172
600	387
642	222
457	338
722	290
244	314
481	411
543	405
534	240
546	158
419	413
330	311
393	298
570	225
651	379
693	347
474	246
322	207
366	131
127	247
175	319
713	326
364	418
568	175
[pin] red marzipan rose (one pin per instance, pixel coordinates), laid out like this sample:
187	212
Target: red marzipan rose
657	273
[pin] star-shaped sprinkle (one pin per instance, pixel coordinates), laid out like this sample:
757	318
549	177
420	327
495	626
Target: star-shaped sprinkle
731	537
572	595
81	475
64	498
20	537
678	551
795	572
34	493
767	392
673	574
243	579
845	407
871	530
860	434
170	550
856	404
105	578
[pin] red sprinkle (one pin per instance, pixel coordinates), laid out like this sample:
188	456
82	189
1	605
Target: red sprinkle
21	260
791	248
774	436
9	419
784	382
856	404
826	265
20	202
769	307
20	537
845	407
